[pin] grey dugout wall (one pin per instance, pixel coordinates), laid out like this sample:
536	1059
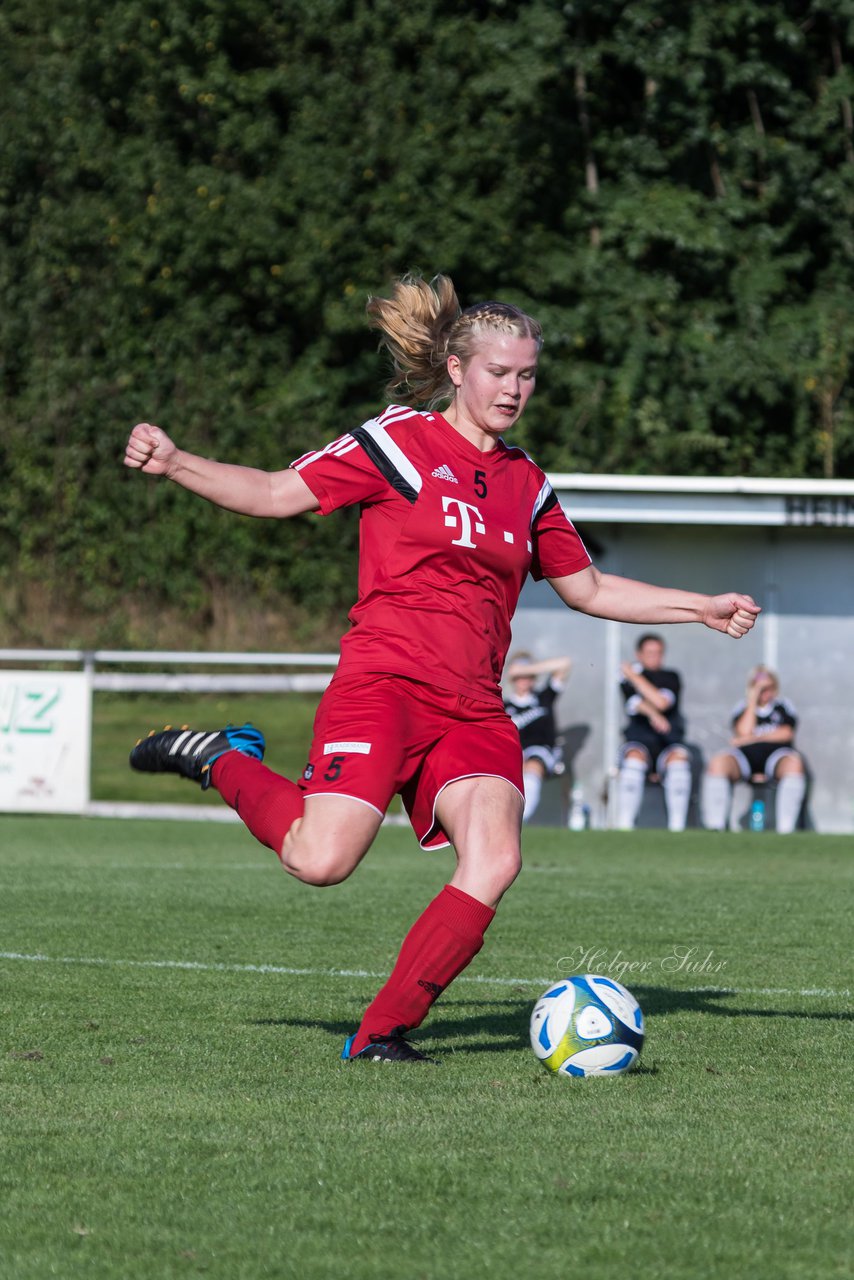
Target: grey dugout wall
790	544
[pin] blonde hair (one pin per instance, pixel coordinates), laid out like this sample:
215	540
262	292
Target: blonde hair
523	659
760	670
422	324
521	655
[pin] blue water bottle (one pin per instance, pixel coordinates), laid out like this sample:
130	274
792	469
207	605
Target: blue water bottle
757	816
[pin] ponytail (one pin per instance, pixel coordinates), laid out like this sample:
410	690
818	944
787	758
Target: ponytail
422	324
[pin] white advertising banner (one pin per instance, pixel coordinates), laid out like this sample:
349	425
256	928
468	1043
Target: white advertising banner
45	734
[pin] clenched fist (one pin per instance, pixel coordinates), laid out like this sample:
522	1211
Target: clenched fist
149	449
733	614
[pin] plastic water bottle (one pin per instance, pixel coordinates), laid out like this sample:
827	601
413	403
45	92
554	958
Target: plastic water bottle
757	816
579	813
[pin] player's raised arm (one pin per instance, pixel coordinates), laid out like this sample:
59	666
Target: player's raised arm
557	667
246	490
604	595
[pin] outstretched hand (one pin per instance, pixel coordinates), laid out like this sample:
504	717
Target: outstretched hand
150	450
733	614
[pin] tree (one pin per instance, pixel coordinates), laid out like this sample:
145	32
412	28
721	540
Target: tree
198	198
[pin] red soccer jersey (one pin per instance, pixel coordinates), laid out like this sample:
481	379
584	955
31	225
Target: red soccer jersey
447	537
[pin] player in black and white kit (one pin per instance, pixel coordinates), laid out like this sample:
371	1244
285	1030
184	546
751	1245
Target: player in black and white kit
654	736
531	708
762	746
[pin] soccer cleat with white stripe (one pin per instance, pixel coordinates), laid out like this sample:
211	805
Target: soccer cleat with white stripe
191	752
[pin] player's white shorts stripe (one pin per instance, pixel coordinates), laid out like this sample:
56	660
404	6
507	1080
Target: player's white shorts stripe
393	452
431	832
342	795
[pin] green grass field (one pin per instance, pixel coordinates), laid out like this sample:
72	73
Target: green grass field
173	1104
119	719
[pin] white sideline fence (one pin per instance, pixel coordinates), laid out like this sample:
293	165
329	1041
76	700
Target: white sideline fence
88	660
40	729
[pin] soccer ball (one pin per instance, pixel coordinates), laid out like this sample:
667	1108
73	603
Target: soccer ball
588	1025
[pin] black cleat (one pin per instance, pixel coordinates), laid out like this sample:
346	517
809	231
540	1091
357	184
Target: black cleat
191	752
388	1048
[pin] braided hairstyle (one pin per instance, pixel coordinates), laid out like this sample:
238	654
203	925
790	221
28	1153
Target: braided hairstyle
422	324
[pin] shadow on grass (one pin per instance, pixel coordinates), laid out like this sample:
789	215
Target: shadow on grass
656	1001
503	1024
505	1029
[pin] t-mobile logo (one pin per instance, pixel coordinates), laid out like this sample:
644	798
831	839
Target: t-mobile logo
463	521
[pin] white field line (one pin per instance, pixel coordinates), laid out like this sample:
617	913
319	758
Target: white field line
198	966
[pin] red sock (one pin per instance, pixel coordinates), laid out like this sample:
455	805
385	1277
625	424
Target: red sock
266	802
443	940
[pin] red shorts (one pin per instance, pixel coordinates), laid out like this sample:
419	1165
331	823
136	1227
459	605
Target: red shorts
377	736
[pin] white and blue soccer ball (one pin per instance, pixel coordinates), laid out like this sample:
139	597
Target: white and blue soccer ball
588	1025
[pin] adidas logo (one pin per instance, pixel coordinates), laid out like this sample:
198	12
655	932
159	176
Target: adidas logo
432	988
445	473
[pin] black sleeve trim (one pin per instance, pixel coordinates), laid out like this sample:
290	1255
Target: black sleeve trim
384	464
548	504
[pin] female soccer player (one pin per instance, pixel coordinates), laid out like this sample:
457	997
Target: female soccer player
530	705
452	522
654	736
762	746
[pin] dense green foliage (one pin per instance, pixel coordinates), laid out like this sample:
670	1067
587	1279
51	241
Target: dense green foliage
197	197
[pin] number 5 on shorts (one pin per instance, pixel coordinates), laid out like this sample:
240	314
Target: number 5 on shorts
334	770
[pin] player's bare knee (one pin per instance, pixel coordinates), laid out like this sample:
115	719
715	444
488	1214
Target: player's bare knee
719	767
510	868
500	870
318	867
323	873
322	857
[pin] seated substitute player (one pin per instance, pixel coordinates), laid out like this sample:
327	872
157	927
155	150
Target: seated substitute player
654	736
761	746
531	708
452	520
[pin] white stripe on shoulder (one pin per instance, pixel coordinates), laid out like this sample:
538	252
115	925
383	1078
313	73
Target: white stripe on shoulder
395	413
393	452
516	448
336	447
544	493
344	445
